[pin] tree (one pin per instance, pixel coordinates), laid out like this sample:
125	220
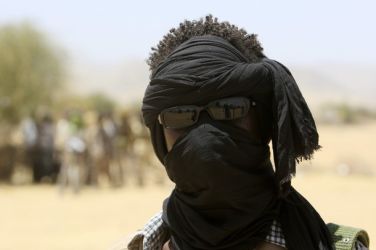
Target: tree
101	103
31	71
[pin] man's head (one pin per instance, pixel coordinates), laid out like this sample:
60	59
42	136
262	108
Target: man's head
206	60
191	75
246	43
250	51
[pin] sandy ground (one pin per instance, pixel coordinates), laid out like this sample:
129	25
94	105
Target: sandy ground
339	182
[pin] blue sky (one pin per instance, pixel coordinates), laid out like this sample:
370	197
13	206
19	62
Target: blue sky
295	32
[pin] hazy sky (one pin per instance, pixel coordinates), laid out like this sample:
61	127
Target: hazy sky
295	32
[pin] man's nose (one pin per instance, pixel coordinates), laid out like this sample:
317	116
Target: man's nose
203	117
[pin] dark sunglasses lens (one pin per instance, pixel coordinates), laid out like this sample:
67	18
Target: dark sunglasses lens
181	117
229	109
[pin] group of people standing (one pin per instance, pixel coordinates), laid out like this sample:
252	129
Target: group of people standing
78	147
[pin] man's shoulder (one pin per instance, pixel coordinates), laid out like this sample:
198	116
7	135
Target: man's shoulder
133	241
151	237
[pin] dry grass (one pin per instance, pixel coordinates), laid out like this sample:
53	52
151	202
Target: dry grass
38	217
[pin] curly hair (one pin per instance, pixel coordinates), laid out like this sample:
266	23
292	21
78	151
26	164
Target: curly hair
244	42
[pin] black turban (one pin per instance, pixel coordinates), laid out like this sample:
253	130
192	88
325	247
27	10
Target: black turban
208	67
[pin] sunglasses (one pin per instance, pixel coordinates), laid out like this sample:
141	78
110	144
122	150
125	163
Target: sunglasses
223	109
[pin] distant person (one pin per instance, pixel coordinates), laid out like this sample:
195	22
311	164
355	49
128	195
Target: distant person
46	164
124	142
73	151
213	104
30	137
109	161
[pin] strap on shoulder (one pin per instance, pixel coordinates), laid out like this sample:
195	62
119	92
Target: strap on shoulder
345	237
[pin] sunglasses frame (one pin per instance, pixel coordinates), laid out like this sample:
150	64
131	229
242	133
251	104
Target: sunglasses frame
197	109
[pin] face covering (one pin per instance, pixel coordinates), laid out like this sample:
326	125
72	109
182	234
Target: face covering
224	188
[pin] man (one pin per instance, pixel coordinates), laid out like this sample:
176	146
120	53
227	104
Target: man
213	104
